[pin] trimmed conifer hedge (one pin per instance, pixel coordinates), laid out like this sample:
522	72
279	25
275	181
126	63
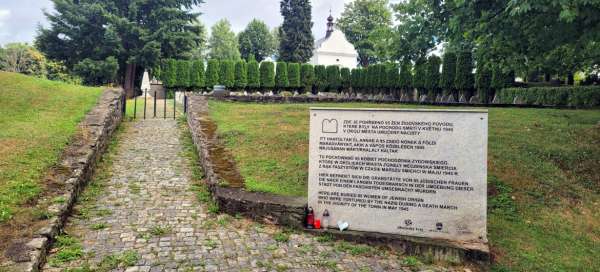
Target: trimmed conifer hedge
267	75
253	75
227	74
197	75
576	96
307	75
320	78
241	75
333	78
281	76
294	75
212	73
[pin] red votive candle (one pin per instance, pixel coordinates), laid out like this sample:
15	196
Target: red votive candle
317	223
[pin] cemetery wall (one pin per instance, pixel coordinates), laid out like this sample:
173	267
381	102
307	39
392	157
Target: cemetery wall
76	167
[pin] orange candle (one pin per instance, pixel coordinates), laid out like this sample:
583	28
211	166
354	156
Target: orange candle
317	224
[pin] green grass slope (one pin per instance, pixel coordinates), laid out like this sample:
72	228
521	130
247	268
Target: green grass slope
37	119
543	175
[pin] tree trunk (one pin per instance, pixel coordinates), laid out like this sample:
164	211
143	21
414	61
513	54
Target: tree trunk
570	79
128	83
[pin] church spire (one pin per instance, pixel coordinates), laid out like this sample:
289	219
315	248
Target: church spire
329	25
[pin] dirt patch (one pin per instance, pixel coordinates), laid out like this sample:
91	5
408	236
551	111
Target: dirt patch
11	146
222	160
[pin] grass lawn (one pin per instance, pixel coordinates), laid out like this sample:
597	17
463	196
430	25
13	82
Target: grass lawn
543	175
37	119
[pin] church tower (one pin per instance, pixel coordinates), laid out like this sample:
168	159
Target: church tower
329	25
334	48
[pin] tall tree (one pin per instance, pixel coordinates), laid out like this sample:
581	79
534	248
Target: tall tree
367	25
256	40
200	51
223	43
419	30
136	33
297	41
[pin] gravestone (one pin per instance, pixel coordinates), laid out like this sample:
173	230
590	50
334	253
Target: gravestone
410	172
220	91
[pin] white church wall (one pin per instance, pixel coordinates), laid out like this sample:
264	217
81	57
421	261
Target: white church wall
324	58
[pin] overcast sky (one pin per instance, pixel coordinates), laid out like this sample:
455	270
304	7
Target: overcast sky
19	18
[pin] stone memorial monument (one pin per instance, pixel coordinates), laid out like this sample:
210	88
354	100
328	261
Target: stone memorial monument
145	84
410	172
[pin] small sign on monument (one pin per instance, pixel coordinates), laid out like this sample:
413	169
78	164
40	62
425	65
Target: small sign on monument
409	172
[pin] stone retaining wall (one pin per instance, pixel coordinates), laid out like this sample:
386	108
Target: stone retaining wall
290	210
77	166
232	198
341	99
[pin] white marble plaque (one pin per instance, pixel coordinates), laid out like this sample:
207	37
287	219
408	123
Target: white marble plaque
411	172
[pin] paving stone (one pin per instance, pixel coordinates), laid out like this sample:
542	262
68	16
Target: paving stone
148	204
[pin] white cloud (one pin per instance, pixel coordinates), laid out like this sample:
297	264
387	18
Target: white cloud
4	15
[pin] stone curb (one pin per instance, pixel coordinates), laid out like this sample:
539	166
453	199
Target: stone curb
79	161
330	99
289	211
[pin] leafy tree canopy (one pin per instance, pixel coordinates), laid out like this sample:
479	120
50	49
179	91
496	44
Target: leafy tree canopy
256	40
223	42
135	33
367	25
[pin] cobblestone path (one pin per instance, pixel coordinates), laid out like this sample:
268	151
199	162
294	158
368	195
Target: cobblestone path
146	217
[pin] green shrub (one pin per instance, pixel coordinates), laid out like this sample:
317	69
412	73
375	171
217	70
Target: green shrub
267	75
170	74
464	74
227	73
320	78
241	75
577	96
333	78
197	75
212	73
432	80
448	73
307	75
253	74
281	76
